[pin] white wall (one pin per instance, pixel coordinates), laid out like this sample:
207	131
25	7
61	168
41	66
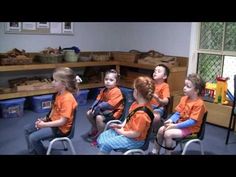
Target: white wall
170	38
87	36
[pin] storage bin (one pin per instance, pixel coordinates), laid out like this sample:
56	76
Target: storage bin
82	97
42	103
12	108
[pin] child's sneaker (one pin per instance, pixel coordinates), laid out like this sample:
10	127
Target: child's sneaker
90	136
93	133
94	143
153	152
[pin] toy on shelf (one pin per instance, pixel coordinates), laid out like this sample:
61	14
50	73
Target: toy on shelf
210	89
221	90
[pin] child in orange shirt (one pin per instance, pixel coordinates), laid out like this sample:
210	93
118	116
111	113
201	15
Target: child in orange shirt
187	118
130	134
60	119
162	94
108	106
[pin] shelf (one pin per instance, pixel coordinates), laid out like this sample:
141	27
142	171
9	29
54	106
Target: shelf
54	65
150	67
41	92
177	73
125	83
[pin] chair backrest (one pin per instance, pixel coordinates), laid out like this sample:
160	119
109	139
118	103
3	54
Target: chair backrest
166	110
234	102
125	103
71	133
201	132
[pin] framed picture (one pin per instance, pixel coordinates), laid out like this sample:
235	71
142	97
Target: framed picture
28	26
13	26
67	27
42	24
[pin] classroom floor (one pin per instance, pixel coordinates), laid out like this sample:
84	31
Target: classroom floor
12	140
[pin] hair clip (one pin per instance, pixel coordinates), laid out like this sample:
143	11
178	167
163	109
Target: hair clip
78	79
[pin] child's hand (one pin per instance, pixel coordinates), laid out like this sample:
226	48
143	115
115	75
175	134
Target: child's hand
37	123
156	97
40	124
170	126
168	122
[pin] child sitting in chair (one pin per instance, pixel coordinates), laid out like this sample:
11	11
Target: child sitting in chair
108	106
59	122
161	96
132	133
188	116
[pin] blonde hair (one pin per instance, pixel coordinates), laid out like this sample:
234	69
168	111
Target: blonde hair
68	77
145	86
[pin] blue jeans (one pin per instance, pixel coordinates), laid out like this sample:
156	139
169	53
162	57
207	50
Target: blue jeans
35	136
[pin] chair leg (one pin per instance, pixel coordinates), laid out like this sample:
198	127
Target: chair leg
193	141
61	139
181	146
229	129
64	145
133	151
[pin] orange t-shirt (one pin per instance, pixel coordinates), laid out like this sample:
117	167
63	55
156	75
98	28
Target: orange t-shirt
163	91
194	109
113	97
140	121
64	106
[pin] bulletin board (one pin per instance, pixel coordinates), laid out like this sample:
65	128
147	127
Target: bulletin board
55	28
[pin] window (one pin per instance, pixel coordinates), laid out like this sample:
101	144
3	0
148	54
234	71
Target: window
217	51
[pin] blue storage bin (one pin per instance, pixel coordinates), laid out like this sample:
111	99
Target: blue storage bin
12	108
42	103
82	97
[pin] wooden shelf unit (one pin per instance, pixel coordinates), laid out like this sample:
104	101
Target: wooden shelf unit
13	68
177	74
54	65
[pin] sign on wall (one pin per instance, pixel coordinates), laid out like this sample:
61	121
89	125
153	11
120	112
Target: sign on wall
58	28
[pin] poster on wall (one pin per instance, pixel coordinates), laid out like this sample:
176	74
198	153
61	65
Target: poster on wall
67	27
28	26
14	26
39	28
42	24
55	28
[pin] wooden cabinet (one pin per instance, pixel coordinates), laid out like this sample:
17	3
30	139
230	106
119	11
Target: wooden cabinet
218	114
14	68
175	80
